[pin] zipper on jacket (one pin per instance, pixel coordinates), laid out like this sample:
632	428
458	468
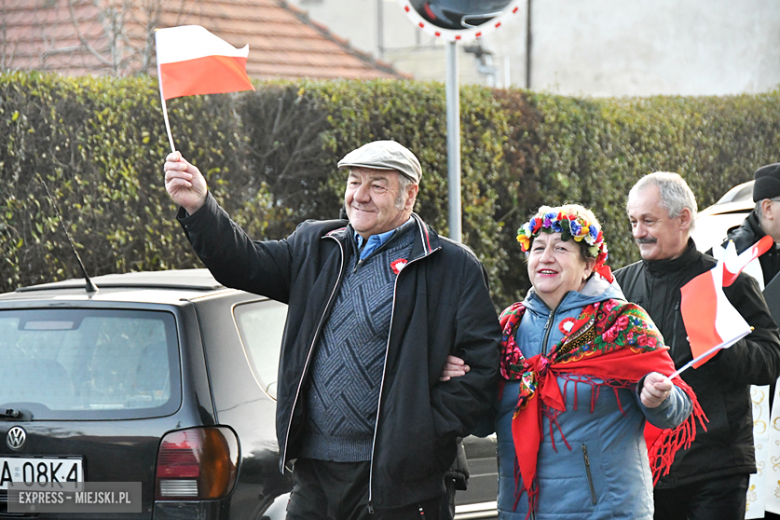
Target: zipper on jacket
674	328
311	349
547	330
550	321
590	476
382	384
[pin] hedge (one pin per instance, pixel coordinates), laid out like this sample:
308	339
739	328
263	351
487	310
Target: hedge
269	156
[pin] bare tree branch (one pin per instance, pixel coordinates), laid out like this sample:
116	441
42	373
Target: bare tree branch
112	35
84	42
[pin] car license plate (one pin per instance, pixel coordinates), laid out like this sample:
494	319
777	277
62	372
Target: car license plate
39	469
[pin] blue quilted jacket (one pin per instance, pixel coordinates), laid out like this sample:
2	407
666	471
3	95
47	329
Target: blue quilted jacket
595	466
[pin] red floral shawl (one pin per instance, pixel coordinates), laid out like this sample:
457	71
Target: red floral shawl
613	341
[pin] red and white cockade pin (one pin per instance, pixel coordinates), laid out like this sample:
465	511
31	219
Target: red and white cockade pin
397	265
566	325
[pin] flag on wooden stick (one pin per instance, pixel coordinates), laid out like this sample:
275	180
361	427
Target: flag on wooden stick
191	61
711	321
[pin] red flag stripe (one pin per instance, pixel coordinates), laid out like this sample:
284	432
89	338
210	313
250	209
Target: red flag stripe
699	306
207	75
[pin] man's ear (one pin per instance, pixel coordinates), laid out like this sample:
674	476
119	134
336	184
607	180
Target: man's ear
686	218
413	189
767	209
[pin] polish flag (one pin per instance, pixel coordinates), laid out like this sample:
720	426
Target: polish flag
191	60
733	264
711	321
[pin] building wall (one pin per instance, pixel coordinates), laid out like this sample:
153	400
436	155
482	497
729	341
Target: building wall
643	47
593	47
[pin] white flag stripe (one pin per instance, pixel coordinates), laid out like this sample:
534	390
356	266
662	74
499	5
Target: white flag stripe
735	263
190	42
732	260
729	322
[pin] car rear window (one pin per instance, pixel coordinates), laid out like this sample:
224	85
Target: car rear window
89	363
261	327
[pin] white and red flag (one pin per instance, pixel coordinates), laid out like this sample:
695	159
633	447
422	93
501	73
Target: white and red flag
711	321
733	264
191	60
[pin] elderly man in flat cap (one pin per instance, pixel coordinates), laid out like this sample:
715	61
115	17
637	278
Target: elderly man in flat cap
375	305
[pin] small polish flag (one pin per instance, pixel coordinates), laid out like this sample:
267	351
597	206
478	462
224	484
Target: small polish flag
709	317
711	321
733	264
191	61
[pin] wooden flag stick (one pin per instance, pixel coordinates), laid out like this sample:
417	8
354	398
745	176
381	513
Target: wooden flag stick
165	116
725	344
162	102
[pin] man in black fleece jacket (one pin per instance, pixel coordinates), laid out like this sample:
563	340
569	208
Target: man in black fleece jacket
709	480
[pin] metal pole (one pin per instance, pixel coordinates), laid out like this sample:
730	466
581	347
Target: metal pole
380	29
529	42
453	140
507	74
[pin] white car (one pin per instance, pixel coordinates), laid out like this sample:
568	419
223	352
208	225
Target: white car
714	222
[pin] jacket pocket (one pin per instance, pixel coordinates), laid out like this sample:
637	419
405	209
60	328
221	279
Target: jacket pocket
586	460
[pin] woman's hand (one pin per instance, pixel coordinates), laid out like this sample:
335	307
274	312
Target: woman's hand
656	389
455	367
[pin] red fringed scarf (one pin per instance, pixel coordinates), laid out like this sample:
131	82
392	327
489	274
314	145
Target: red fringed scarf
614	341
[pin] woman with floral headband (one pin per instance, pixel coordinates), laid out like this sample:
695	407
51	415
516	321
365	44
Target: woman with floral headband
583	373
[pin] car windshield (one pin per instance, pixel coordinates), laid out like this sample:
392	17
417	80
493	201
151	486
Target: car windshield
89	363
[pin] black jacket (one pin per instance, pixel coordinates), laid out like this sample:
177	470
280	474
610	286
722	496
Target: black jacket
441	306
722	385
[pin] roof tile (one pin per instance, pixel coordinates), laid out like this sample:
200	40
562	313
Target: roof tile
283	41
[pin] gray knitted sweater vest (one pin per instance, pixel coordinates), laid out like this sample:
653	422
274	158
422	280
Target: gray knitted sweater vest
346	373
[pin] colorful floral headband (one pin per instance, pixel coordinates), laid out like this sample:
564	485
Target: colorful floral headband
569	226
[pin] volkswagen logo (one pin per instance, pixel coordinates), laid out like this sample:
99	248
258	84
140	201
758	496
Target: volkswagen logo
16	437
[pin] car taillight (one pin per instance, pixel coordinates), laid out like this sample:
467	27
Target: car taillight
197	464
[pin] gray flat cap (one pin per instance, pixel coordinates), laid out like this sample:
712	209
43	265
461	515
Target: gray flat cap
384	155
